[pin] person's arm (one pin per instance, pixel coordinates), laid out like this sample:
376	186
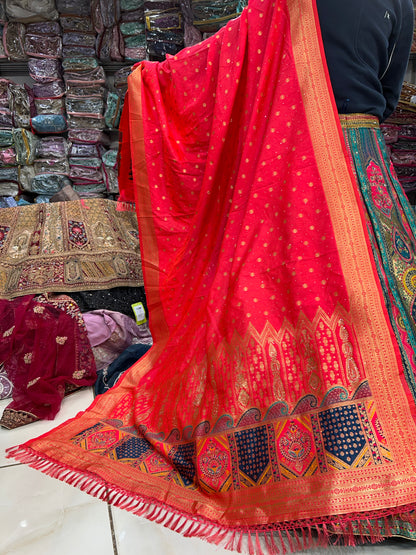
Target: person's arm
392	80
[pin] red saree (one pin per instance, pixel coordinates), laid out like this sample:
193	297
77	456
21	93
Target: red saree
272	407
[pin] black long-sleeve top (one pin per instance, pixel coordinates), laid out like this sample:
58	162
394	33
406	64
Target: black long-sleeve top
367	45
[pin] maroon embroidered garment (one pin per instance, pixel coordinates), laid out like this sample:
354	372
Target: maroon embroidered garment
46	353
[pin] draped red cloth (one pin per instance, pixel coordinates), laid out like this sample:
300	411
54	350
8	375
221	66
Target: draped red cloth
272	399
46	354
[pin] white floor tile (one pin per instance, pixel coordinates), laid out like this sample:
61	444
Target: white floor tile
138	536
70	407
142	537
42	516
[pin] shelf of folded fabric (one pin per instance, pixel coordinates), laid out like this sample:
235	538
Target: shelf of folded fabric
12	68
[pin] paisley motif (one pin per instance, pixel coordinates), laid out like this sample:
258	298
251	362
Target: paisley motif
400	245
379	193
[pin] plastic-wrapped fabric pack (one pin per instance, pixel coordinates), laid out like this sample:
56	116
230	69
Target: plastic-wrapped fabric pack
43	46
9	174
45	70
211	15
14	41
110	170
79	63
52	165
6	118
87	121
25	145
72	50
49	106
19	103
104	13
26	175
164	30
75	90
44	28
88	136
27	11
131	5
8	188
48	124
54	89
8	156
84	105
49	183
2	49
113	110
93	76
133	15
117	48
3	16
79	7
120	80
6	137
85	150
4	92
85	162
52	147
135	27
75	38
77	23
103	44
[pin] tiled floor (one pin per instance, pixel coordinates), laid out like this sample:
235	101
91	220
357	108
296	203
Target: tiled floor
43	516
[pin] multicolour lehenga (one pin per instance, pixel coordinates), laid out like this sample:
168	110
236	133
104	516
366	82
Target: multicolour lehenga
276	406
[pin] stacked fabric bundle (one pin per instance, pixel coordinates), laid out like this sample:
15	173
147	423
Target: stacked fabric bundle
16	143
32	33
164	28
85	93
60	123
132	29
211	15
109	45
3	21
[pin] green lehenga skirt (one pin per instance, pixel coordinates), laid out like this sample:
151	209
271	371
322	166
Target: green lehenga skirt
391	228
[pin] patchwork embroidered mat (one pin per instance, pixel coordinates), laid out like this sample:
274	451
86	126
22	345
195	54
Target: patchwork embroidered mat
68	246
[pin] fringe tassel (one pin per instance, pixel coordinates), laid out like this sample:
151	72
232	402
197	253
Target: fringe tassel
250	544
240	542
282	542
290	542
274	544
230	544
372	527
258	545
387	527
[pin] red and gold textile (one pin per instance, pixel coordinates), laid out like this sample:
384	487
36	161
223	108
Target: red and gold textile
272	403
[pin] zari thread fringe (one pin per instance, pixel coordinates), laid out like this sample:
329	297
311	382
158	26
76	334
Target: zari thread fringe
273	539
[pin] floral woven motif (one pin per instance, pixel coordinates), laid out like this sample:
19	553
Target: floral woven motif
68	246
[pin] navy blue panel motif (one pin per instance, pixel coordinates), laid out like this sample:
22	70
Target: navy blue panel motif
132	448
342	434
183	459
253	452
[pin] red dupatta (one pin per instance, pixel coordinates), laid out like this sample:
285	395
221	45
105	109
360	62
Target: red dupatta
271	400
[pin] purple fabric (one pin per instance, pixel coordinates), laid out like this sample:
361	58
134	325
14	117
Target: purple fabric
110	333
